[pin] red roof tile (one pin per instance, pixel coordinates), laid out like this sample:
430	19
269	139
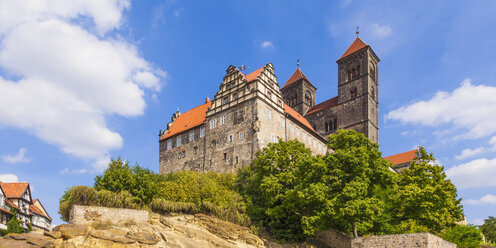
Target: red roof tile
6	211
14	190
297	116
402	158
354	47
323	105
35	210
297	75
11	204
42	209
252	76
188	120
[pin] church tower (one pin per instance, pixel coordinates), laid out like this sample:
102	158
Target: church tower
358	90
298	92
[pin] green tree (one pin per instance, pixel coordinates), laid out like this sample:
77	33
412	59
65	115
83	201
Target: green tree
119	176
421	189
280	189
13	225
489	229
360	173
463	236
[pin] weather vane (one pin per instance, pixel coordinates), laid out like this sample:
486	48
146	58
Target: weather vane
357	32
243	68
298	62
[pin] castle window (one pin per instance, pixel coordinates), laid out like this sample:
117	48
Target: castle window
178	141
269	94
195	149
309	139
353	92
223	120
269	114
282	122
335	124
169	144
326	127
214	143
235	96
314	143
230	138
225	155
372	93
308	98
213	124
272	138
191	135
291	127
298	133
241	135
226	100
237	160
202	131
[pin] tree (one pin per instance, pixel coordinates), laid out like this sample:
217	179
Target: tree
119	176
489	229
281	188
360	173
463	236
421	189
13	225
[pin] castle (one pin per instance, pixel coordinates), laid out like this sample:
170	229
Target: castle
250	111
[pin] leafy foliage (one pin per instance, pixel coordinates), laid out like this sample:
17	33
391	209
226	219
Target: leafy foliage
489	229
463	236
420	190
13	225
119	176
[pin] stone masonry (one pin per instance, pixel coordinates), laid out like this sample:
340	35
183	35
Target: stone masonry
85	215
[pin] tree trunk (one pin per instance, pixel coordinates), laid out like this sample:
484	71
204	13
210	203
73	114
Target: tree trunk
355	232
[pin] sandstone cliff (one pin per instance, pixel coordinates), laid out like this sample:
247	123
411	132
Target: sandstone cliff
160	231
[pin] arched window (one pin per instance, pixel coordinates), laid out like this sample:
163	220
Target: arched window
308	98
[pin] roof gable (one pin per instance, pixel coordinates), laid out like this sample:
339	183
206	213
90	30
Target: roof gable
190	119
252	76
354	47
37	203
402	158
15	190
297	75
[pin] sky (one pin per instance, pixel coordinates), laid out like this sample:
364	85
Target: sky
84	81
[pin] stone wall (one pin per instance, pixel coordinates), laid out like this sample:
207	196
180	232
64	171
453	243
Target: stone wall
85	215
410	240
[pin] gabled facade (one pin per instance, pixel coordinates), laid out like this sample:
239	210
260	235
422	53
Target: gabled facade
17	197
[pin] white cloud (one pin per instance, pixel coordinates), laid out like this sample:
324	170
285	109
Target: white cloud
471	108
477	221
476	173
266	44
470	153
485	200
67	78
381	30
19	157
8	178
73	171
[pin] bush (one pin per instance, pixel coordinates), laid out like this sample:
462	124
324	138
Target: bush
13	225
463	236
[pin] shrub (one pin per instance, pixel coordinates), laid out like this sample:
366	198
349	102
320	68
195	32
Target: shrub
463	236
13	225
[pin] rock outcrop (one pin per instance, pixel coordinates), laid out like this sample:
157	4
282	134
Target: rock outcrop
160	231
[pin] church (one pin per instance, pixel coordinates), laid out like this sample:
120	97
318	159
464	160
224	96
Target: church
250	111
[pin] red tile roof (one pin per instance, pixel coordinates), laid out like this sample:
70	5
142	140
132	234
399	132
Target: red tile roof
36	210
297	116
14	190
6	211
297	75
42	209
354	47
402	158
188	120
323	105
11	204
252	76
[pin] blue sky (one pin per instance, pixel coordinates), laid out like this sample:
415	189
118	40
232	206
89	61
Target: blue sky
85	81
